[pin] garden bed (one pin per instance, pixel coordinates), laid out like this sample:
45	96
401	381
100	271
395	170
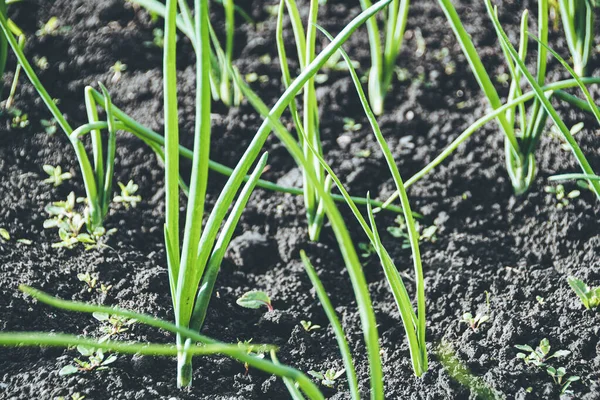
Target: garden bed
519	250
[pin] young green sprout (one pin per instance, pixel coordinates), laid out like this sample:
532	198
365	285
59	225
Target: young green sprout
590	297
559	377
578	21
474	322
366	249
383	57
327	377
112	324
74	396
89	280
4	234
117	70
309	326
49	126
540	355
19	120
562	196
257	351
56	175
350	125
255	299
96	361
128	197
51	28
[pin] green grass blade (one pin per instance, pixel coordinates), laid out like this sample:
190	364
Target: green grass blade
340	335
92	113
242	355
568	83
568	177
149	135
171	119
110	154
218	252
359	285
477	68
289	384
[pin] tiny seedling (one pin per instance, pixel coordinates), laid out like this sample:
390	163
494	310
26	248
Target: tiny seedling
351	126
309	326
257	351
426	233
590	297
89	280
562	197
117	70
51	28
328	377
540	355
19	120
69	224
104	288
113	324
41	62
255	299
366	249
95	362
128	197
540	300
474	321
4	234
56	175
558	376
49	126
158	39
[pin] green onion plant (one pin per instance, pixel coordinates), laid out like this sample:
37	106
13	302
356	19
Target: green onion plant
384	57
522	128
220	80
578	17
307	126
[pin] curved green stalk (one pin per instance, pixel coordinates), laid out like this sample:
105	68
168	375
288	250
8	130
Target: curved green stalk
585	166
214	264
241	354
340	336
555	87
357	278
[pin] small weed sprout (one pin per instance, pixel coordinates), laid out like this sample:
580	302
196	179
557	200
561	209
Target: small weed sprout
89	280
69	224
351	126
562	197
95	362
158	38
56	175
255	299
540	300
474	322
590	297
117	69
41	62
128	197
51	28
366	249
49	126
328	377
540	355
104	288
113	324
4	234
19	120
558	376
426	233
254	350
309	326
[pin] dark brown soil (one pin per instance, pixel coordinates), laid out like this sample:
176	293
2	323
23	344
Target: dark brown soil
488	240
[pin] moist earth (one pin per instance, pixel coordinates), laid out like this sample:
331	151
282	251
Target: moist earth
515	251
